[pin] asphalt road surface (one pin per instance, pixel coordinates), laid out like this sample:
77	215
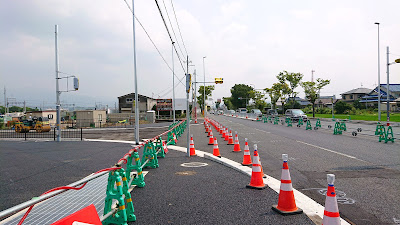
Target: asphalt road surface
367	172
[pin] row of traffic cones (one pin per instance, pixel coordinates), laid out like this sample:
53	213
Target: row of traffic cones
286	201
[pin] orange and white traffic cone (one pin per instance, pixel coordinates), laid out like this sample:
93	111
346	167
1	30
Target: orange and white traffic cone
331	212
236	148
246	155
211	139
230	139
165	147
175	139
286	202
192	150
216	148
226	135
221	130
256	181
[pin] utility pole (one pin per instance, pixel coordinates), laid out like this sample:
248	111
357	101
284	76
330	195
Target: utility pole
387	86
24	106
5	101
379	79
194	97
173	83
204	89
135	75
58	132
312	75
188	81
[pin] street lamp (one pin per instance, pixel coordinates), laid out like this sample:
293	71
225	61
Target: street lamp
204	88
387	83
379	79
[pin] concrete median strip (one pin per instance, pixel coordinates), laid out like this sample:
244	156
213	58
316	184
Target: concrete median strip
311	208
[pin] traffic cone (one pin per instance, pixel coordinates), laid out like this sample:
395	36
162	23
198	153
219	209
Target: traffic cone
230	139
216	148
221	130
286	203
195	120
256	181
246	155
165	147
191	145
331	212
209	130
176	140
206	126
226	135
236	148
211	139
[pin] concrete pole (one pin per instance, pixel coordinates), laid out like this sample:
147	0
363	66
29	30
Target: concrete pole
5	101
194	97
58	121
187	105
379	79
387	86
135	77
204	89
173	82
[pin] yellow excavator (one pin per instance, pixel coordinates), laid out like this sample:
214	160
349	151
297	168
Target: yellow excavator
40	124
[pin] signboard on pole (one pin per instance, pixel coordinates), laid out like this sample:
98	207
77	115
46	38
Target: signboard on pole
164	104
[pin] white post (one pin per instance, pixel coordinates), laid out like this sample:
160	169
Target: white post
387	86
173	82
379	79
58	121
135	77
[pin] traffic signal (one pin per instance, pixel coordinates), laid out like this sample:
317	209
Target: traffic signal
219	80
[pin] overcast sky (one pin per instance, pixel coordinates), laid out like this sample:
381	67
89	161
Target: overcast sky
246	42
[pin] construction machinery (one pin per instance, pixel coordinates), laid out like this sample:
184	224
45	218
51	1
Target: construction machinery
40	124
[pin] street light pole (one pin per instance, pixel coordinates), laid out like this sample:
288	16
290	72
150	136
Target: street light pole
379	79
204	88
188	80
135	77
387	86
58	121
173	82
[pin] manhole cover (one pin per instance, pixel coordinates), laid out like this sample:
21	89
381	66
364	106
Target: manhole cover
194	164
185	173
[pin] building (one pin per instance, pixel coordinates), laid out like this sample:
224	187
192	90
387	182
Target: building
50	114
325	101
355	94
125	103
303	102
90	118
394	93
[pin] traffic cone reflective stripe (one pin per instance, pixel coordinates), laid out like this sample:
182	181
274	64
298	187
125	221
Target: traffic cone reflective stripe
176	140
221	130
216	148
236	148
246	155
191	145
256	181
211	139
226	135
286	202
331	212
230	139
165	147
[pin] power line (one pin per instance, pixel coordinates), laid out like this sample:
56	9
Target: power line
166	27
152	41
179	29
173	31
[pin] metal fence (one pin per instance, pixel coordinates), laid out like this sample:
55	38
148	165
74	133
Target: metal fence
32	134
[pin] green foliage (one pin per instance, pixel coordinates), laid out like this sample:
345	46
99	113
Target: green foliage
342	107
358	105
200	98
259	101
242	91
217	104
294	80
311	89
292	104
227	102
17	109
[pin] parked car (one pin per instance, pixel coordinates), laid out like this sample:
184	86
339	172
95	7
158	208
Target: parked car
241	110
272	113
257	112
231	112
296	114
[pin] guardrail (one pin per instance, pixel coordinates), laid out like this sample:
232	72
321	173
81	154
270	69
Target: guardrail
119	181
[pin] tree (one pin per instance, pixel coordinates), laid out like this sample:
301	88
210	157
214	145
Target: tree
312	89
358	105
240	95
200	98
217	104
259	101
341	107
274	93
227	102
294	80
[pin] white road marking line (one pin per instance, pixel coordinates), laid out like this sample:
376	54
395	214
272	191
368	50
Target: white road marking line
328	150
262	131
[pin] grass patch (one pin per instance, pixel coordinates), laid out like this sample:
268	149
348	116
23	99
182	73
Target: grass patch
394	117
